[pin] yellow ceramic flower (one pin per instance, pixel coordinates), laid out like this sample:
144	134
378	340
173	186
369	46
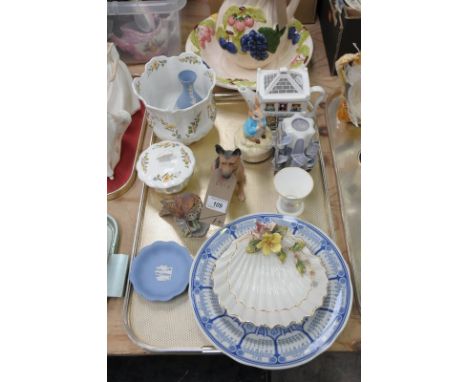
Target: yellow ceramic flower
271	242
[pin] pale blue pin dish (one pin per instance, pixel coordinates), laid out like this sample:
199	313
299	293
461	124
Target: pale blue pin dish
278	347
161	271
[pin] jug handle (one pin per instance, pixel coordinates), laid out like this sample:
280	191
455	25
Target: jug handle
320	98
291	8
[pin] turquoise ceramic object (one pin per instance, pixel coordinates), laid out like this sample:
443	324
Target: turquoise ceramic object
161	271
112	235
189	96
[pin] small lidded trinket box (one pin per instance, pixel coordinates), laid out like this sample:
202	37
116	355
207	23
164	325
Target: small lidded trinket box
166	166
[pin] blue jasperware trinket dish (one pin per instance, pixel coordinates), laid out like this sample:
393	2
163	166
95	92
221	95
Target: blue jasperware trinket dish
161	271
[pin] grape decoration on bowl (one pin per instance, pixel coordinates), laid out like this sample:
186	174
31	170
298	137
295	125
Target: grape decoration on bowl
256	44
245	30
293	35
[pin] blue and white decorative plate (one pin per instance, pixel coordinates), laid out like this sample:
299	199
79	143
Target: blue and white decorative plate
278	347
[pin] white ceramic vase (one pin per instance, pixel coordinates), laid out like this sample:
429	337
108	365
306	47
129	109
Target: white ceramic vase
263	290
159	88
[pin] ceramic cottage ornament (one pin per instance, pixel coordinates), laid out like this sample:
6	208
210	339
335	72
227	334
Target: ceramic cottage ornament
255	138
186	209
121	104
286	92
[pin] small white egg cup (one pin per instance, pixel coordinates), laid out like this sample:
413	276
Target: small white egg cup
293	184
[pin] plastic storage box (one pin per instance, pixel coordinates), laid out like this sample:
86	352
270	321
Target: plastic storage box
143	29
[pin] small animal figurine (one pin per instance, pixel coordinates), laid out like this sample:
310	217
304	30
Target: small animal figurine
230	163
186	209
255	125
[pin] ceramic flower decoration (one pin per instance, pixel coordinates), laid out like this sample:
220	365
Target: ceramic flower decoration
268	238
270	243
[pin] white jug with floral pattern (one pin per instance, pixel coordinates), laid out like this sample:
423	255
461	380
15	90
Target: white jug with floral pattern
252	32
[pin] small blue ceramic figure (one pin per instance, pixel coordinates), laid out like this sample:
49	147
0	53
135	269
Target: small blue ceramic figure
189	96
254	126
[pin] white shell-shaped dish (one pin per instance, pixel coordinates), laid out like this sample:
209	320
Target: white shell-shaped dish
166	166
262	290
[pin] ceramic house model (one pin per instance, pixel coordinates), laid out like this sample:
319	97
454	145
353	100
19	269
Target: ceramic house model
282	93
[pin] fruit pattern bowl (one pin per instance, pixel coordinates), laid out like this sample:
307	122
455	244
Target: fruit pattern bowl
203	41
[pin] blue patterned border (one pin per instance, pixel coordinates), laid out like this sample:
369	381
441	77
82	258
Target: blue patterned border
279	347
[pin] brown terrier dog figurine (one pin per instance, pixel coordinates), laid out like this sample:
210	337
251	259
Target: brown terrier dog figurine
230	162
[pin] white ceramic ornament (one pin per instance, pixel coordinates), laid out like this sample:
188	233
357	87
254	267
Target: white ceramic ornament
117	123
299	128
121	104
120	95
254	139
159	87
265	291
166	166
293	184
